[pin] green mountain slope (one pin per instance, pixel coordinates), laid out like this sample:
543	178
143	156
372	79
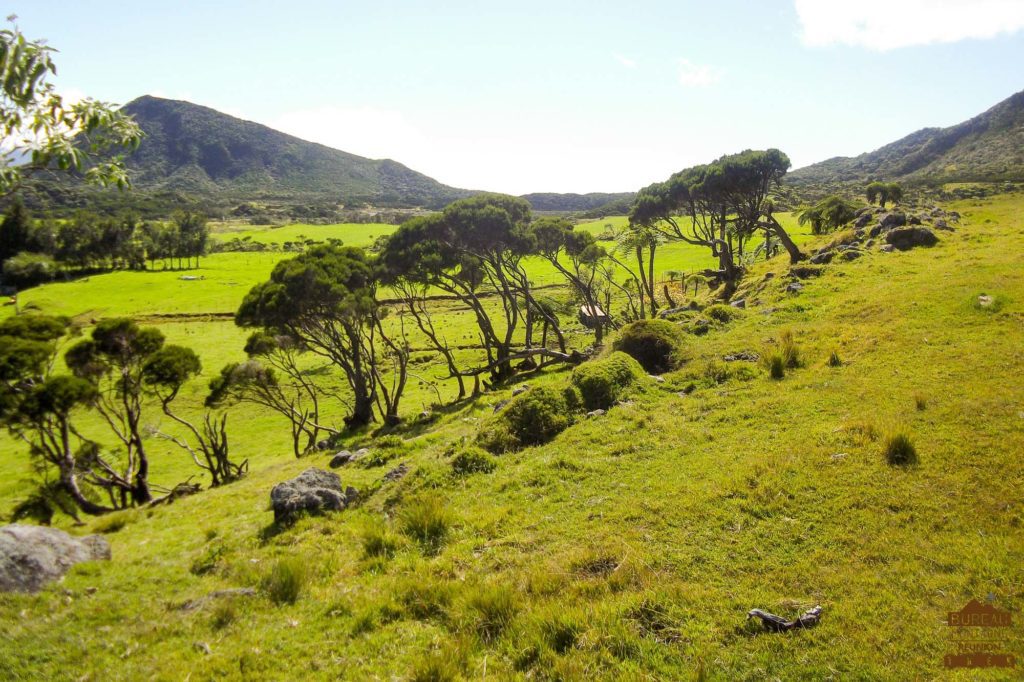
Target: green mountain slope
197	151
986	148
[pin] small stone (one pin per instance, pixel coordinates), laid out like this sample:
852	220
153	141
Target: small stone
887	248
655	377
794	287
341	459
500	404
984	300
203	648
742	303
397	473
595	413
519	390
360	453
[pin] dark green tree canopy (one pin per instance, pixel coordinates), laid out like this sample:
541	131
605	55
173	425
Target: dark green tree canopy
170	367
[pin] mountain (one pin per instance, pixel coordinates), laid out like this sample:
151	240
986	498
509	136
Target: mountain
987	148
195	151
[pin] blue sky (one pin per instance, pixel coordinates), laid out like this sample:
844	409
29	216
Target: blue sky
553	96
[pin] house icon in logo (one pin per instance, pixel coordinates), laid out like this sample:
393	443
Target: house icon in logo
976	614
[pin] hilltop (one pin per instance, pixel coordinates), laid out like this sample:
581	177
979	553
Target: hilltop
986	148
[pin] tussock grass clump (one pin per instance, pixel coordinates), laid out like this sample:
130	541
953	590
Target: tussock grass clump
224	614
654	619
775	364
789	350
900	450
111	523
658	345
379	542
834	360
208	561
438	666
530	418
920	401
426	599
722	313
286	580
562	629
602	382
473	460
493	608
427	521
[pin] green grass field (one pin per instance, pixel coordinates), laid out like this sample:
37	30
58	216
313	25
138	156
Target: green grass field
632	545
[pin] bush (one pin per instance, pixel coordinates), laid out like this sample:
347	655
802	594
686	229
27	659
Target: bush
427	521
602	382
658	345
28	269
494	607
472	460
286	580
899	450
530	418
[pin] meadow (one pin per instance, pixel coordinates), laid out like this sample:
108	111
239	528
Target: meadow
629	547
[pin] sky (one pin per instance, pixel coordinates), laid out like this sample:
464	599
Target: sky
552	96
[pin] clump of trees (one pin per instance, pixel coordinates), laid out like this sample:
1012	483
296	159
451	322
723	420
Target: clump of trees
112	373
34	251
883	193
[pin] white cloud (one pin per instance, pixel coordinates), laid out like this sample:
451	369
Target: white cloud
889	24
697	75
624	60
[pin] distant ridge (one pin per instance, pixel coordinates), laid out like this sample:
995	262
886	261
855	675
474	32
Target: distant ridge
986	148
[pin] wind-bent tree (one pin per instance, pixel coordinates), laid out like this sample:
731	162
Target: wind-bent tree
39	131
883	192
113	361
259	381
828	214
325	299
640	242
164	373
474	250
576	255
718	206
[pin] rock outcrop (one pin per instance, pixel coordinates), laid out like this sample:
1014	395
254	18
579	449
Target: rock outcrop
32	556
312	491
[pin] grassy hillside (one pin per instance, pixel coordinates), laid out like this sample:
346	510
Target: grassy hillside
986	148
632	545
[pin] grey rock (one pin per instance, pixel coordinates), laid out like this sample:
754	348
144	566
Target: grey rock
341	459
519	390
314	490
875	230
851	254
794	287
870	243
500	404
823	257
202	647
595	413
863	219
745	356
893	220
655	377
887	248
913	219
323	445
742	303
32	556
360	453
941	224
231	592
904	238
985	301
397	473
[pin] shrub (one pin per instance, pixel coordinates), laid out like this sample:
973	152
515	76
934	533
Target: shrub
776	365
28	269
658	345
286	580
899	450
530	418
473	460
426	520
493	607
602	382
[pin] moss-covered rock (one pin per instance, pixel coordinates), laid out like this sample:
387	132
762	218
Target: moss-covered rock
658	345
602	382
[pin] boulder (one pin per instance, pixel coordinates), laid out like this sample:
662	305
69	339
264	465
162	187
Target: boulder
863	219
893	220
794	287
941	224
887	248
314	490
913	220
851	254
904	238
823	257
32	556
341	459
